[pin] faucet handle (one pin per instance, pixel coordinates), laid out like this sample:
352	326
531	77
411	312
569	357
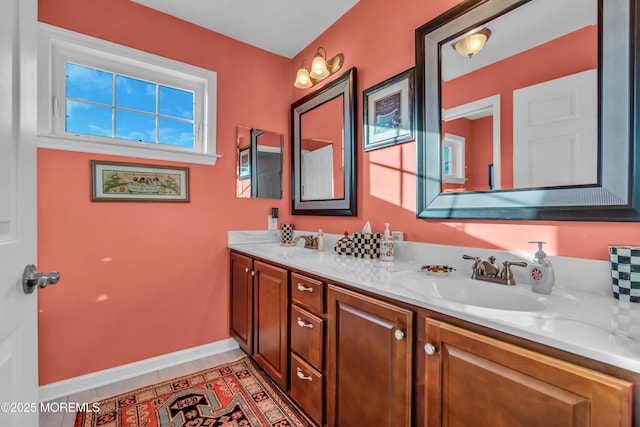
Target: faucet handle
507	274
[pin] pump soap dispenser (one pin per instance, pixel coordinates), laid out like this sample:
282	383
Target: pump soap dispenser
386	245
541	273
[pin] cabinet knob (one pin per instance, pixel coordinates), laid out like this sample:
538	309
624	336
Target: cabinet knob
304	288
304	324
399	335
429	349
246	270
302	376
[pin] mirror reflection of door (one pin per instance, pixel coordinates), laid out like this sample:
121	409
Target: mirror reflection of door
540	41
316	183
267	179
259	163
555	141
322	146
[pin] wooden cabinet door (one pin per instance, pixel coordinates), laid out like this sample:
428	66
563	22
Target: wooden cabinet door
271	321
369	361
241	307
473	380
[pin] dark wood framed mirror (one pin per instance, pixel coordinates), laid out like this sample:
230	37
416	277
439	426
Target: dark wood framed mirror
609	191
323	139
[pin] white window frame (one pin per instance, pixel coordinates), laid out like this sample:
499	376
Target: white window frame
58	46
456	145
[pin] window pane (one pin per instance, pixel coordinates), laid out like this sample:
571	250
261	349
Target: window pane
176	103
135	94
135	126
88	119
176	133
447	160
89	84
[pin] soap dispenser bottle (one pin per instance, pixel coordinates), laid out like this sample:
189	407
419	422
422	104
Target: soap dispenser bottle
386	245
541	274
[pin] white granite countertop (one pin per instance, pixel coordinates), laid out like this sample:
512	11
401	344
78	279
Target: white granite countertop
580	316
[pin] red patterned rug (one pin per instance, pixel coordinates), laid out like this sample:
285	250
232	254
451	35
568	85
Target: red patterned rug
229	395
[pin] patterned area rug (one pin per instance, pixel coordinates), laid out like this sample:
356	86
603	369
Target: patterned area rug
229	395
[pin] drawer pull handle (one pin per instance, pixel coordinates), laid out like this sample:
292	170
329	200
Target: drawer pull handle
304	324
302	376
430	349
304	288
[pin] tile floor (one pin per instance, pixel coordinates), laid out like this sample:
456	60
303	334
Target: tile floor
66	419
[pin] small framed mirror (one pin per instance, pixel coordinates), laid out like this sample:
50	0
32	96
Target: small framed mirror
259	165
323	150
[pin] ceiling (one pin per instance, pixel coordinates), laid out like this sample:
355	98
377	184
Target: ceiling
527	26
284	27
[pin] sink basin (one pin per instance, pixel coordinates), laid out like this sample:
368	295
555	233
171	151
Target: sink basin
460	289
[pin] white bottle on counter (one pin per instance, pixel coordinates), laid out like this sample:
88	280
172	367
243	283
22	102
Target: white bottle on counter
320	240
387	245
541	275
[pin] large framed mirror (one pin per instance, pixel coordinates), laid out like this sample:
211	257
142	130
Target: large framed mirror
540	123
323	138
259	163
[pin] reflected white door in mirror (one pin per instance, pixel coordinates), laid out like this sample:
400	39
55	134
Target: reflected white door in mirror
555	132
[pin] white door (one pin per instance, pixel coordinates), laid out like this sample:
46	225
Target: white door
555	132
318	174
18	311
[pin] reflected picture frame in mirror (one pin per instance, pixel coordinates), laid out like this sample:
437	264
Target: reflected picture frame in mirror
337	201
615	195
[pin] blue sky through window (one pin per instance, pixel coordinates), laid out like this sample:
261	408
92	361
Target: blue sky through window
110	105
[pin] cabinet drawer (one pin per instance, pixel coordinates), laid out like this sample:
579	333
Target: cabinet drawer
308	292
307	336
306	388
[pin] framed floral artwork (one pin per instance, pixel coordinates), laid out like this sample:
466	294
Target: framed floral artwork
134	182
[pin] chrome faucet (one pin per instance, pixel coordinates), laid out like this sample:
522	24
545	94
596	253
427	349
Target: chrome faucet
488	270
310	242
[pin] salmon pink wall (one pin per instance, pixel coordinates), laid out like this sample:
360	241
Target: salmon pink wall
144	279
570	54
378	39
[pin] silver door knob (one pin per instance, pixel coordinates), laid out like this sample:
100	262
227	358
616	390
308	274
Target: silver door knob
399	334
429	349
31	278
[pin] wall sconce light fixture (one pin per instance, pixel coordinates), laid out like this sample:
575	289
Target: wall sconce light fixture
472	43
321	68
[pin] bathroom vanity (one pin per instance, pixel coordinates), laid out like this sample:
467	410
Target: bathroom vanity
364	342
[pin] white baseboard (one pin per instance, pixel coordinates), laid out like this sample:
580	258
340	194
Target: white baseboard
108	376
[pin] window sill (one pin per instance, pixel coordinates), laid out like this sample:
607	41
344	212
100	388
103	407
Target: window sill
88	146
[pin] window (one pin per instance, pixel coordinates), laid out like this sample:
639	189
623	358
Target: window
96	96
453	167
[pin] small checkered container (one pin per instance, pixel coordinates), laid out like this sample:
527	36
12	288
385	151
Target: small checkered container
625	272
287	233
366	245
344	246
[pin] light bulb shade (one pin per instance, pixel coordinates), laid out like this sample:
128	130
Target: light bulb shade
303	80
473	43
319	68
